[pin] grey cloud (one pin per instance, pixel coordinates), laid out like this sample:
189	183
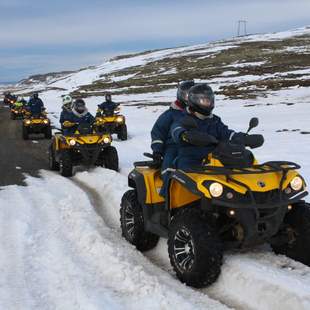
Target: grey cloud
215	19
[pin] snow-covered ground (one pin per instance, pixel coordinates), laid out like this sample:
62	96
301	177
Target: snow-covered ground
61	245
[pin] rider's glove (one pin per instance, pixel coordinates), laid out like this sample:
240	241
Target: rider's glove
157	158
68	124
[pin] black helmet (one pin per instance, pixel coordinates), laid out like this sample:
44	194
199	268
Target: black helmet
201	99
35	95
79	106
183	89
108	97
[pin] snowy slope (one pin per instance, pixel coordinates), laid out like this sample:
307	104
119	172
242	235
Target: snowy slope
63	247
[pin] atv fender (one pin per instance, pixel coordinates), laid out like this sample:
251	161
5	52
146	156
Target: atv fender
136	181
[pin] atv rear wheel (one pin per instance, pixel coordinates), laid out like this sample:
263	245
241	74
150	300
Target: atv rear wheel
110	158
65	165
132	223
195	251
297	229
25	133
122	134
48	132
53	164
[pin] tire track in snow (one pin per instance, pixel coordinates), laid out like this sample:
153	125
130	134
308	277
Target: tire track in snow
255	280
102	207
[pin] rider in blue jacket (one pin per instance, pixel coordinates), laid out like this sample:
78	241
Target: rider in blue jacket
78	115
35	105
66	108
200	107
108	106
163	146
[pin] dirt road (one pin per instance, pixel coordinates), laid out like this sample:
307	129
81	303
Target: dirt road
19	157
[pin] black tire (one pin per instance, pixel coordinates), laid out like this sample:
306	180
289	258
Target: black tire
65	165
122	134
132	223
110	157
194	249
25	133
13	115
53	164
297	224
48	132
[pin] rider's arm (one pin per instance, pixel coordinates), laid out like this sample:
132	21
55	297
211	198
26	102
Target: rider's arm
223	132
160	132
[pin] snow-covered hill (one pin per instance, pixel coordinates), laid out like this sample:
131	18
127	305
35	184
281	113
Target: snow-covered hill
62	246
240	68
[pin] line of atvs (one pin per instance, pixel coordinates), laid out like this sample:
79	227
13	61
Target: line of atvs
230	203
89	145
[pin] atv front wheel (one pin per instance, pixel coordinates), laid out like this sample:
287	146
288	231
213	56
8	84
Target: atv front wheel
13	116
122	134
132	223
194	249
25	133
110	158
297	231
65	165
48	132
53	164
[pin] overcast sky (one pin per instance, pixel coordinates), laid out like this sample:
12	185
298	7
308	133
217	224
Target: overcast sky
38	36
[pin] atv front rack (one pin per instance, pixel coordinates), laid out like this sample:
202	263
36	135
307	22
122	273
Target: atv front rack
267	167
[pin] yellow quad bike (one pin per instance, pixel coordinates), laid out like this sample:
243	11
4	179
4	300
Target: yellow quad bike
231	202
9	100
17	112
84	147
36	124
112	122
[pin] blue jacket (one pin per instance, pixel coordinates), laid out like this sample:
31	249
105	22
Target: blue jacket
87	118
109	106
191	156
35	106
64	115
161	134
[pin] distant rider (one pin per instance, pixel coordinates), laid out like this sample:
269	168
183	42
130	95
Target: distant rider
20	103
163	146
78	115
107	107
66	107
35	105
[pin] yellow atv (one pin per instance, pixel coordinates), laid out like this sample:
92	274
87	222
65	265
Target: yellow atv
85	146
112	122
36	124
17	112
9	100
231	202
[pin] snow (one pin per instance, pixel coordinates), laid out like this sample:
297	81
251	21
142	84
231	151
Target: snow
64	248
59	254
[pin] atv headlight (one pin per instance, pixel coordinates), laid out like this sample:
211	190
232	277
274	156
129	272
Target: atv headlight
106	140
72	142
119	119
28	122
297	184
45	121
216	189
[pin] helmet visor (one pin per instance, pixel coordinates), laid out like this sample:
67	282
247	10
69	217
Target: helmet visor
184	95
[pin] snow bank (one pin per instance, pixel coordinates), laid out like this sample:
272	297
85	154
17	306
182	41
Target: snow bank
59	254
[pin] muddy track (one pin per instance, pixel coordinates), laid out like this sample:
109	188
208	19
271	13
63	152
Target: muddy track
19	157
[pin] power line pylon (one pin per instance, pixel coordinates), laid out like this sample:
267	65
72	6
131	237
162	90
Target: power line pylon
242	31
